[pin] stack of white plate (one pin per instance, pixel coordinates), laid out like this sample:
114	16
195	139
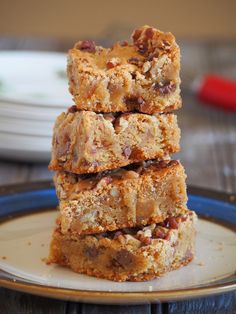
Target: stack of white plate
33	92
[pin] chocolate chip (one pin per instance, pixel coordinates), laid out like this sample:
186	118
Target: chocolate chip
162	224
134	61
73	109
86	45
94	163
134	100
165	88
117	234
124	258
142	49
91	251
149	32
131	231
127	151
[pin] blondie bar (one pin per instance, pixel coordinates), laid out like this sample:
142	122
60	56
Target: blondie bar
142	76
135	254
121	198
86	142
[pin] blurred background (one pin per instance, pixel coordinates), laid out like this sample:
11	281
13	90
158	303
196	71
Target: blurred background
210	19
33	86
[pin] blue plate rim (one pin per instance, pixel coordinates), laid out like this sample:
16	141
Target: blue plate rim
31	188
15	283
48	184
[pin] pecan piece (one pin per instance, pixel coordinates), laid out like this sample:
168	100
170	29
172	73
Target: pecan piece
124	43
144	239
165	88
113	62
159	233
63	146
127	151
86	45
149	32
91	251
73	109
136	34
172	223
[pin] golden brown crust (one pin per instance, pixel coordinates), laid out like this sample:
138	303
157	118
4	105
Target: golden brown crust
86	142
127	257
121	198
142	76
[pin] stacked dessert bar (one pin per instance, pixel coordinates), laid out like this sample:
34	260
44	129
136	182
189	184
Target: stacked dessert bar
122	201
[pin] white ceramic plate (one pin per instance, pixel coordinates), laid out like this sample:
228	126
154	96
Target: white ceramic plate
26	126
24	242
25	147
34	78
34	113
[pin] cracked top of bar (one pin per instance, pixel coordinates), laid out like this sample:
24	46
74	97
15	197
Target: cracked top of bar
142	75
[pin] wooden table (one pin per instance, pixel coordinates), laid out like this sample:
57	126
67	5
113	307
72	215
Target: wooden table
208	153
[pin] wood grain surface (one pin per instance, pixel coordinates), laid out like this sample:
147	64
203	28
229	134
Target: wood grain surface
208	154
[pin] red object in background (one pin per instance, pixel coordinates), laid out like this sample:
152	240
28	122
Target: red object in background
218	91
